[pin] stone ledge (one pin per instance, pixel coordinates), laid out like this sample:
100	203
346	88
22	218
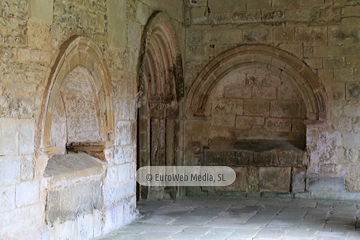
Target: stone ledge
95	149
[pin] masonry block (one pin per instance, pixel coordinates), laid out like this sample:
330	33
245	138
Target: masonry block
256	35
288	4
85	225
343	74
311	35
256	107
278	124
228	158
27	193
9	140
27	135
7	198
325	184
264	92
253	179
9	170
258	4
285	109
244	122
352	91
225	5
284	34
124	133
298	180
224	120
124	154
114	219
237	92
228	106
68	203
42	10
275	179
240	183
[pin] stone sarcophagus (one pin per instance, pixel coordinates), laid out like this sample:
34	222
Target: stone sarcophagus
262	165
74	184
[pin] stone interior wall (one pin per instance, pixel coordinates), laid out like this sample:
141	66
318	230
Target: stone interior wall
31	34
323	34
255	103
76	118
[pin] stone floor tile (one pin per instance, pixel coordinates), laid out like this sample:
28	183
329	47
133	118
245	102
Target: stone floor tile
171	229
156	219
325	204
331	234
218	233
305	204
299	234
196	230
135	228
242	219
154	236
192	220
244	233
354	235
182	236
268	233
283	223
227	222
312	224
338	227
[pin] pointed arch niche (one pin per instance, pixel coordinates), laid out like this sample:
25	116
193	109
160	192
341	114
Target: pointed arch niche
77	114
75	132
161	87
250	108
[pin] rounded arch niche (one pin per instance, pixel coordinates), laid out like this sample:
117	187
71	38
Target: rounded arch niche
309	85
77	114
161	87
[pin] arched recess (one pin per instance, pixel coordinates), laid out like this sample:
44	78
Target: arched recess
310	86
77	103
246	109
161	88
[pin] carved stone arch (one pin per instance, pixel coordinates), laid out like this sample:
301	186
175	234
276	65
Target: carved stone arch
161	87
160	55
310	86
78	55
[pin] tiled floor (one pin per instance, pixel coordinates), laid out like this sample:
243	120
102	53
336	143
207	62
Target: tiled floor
230	218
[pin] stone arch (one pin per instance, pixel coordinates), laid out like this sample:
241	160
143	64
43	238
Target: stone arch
160	57
161	87
80	59
310	86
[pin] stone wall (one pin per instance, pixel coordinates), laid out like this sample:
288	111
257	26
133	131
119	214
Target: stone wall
256	103
324	36
32	37
316	43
